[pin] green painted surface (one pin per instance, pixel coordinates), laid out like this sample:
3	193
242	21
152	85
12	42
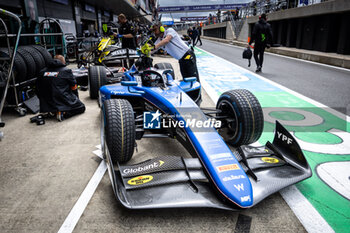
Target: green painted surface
289	116
334	208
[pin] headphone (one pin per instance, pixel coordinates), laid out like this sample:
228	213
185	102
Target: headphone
161	29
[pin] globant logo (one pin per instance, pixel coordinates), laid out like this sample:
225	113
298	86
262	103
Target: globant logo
154	165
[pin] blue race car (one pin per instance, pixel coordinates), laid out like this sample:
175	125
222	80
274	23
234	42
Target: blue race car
151	104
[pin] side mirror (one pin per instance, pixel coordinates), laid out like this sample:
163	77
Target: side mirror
129	83
191	79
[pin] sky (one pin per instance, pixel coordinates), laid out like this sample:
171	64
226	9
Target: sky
177	16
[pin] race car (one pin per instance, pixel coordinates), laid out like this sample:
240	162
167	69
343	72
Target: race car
226	172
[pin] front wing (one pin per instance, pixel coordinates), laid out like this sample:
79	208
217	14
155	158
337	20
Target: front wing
177	182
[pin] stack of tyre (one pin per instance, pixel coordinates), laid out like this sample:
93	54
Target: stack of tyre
29	60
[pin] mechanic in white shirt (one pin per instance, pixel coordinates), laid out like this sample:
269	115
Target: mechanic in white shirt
170	41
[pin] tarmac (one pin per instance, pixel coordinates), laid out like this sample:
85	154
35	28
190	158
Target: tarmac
44	170
333	59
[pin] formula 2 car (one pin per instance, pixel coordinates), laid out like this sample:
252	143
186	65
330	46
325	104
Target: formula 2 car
150	103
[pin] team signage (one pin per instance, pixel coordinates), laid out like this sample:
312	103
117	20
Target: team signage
198	18
168	23
201	7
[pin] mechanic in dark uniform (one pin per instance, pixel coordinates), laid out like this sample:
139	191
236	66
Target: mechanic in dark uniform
171	42
57	90
194	35
126	32
199	29
262	36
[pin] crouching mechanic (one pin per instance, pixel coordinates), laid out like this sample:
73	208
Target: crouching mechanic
57	90
171	42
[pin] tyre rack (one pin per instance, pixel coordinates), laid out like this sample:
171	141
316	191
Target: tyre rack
11	58
10	81
52	47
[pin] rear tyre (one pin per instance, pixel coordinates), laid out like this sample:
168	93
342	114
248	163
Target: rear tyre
97	78
118	130
245	121
165	66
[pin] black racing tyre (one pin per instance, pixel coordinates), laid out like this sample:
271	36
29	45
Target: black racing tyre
165	66
245	121
97	78
118	132
38	58
44	53
30	62
19	66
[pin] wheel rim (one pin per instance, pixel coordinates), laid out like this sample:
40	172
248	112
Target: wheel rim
232	128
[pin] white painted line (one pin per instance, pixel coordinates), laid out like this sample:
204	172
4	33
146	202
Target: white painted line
342	148
79	207
292	58
314	102
302	208
98	153
336	175
311	62
305	212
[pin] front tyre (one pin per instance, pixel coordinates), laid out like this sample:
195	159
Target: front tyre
244	120
118	132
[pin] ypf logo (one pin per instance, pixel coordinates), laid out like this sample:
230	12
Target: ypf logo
151	120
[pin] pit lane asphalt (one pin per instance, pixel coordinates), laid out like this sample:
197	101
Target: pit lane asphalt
44	170
325	84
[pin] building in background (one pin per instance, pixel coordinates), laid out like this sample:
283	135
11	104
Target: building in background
79	16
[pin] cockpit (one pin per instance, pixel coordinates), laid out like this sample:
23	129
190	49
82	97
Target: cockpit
153	78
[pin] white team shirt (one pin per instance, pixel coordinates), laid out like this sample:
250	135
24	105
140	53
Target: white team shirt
176	47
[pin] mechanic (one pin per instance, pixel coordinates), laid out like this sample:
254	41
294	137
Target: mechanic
199	29
126	32
189	32
171	42
57	90
262	36
194	35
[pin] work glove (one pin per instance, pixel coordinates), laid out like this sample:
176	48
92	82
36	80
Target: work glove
117	35
146	49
